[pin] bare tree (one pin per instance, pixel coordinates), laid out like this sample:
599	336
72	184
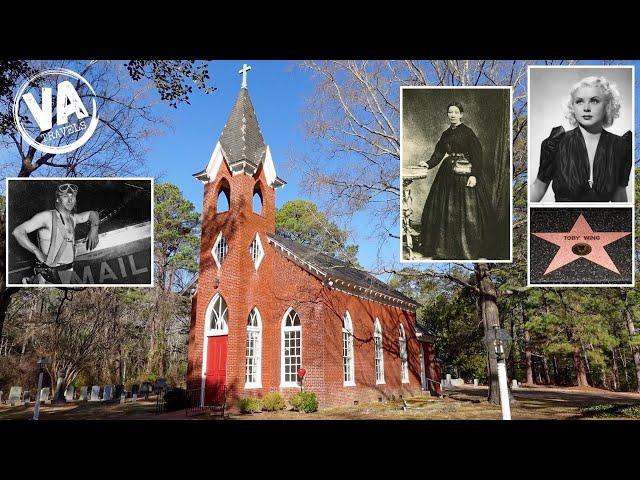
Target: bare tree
354	114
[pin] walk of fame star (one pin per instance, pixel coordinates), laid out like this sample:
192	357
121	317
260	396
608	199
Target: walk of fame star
581	242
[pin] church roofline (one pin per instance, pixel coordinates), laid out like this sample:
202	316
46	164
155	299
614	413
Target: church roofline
349	287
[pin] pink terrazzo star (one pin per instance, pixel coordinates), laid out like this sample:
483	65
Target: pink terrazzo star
581	232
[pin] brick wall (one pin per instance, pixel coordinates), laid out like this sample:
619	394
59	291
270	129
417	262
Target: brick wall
277	285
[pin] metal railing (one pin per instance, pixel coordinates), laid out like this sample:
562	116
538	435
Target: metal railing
215	400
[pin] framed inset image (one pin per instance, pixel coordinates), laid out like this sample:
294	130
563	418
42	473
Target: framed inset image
580	137
582	246
65	232
456	169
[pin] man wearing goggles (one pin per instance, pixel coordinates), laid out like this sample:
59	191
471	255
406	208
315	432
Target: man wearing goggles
56	251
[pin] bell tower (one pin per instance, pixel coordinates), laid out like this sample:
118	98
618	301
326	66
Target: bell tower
235	268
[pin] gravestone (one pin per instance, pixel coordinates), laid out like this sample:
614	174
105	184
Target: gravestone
160	384
69	393
108	393
456	382
27	397
135	388
123	398
1	392
15	395
84	395
145	389
95	393
44	395
119	390
514	383
475	382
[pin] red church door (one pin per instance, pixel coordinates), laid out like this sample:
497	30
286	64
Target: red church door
216	369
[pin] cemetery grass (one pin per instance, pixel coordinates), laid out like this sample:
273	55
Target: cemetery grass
459	403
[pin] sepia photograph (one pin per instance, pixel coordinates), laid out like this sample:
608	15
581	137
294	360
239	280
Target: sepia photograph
79	231
456	174
580	134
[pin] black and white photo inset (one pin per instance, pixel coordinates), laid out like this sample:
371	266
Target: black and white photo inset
580	139
581	246
456	170
79	231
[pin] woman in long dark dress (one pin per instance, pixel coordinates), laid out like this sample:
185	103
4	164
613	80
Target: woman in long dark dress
588	163
456	219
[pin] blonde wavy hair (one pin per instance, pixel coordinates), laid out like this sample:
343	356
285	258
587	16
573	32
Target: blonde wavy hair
611	94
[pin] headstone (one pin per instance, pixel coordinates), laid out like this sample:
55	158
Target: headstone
27	397
514	383
95	393
145	389
134	389
123	398
44	395
84	395
456	382
15	394
1	392
108	393
475	382
69	393
448	377
160	384
119	390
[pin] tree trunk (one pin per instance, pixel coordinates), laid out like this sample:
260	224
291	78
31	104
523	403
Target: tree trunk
527	356
635	351
616	378
556	374
545	366
488	308
580	367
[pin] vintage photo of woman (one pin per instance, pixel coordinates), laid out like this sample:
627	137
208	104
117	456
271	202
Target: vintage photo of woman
580	134
456	172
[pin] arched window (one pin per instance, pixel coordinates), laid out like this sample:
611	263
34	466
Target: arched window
404	363
257	199
379	359
348	374
253	351
217	317
224	196
291	348
220	249
256	251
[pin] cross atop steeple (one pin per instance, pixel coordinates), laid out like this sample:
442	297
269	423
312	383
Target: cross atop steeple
245	68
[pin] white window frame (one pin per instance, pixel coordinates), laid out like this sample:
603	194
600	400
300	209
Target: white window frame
377	335
221	312
256	261
404	356
284	329
215	247
348	357
257	349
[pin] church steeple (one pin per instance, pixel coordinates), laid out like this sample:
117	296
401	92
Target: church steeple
241	142
241	137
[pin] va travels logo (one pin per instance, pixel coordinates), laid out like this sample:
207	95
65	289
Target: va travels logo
65	131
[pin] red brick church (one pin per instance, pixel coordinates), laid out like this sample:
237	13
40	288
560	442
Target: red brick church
265	307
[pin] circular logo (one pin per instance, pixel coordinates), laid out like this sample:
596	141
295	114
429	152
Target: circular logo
581	249
62	127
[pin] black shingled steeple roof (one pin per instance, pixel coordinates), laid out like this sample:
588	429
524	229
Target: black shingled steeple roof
241	138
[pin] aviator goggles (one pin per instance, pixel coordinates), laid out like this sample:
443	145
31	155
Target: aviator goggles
68	188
